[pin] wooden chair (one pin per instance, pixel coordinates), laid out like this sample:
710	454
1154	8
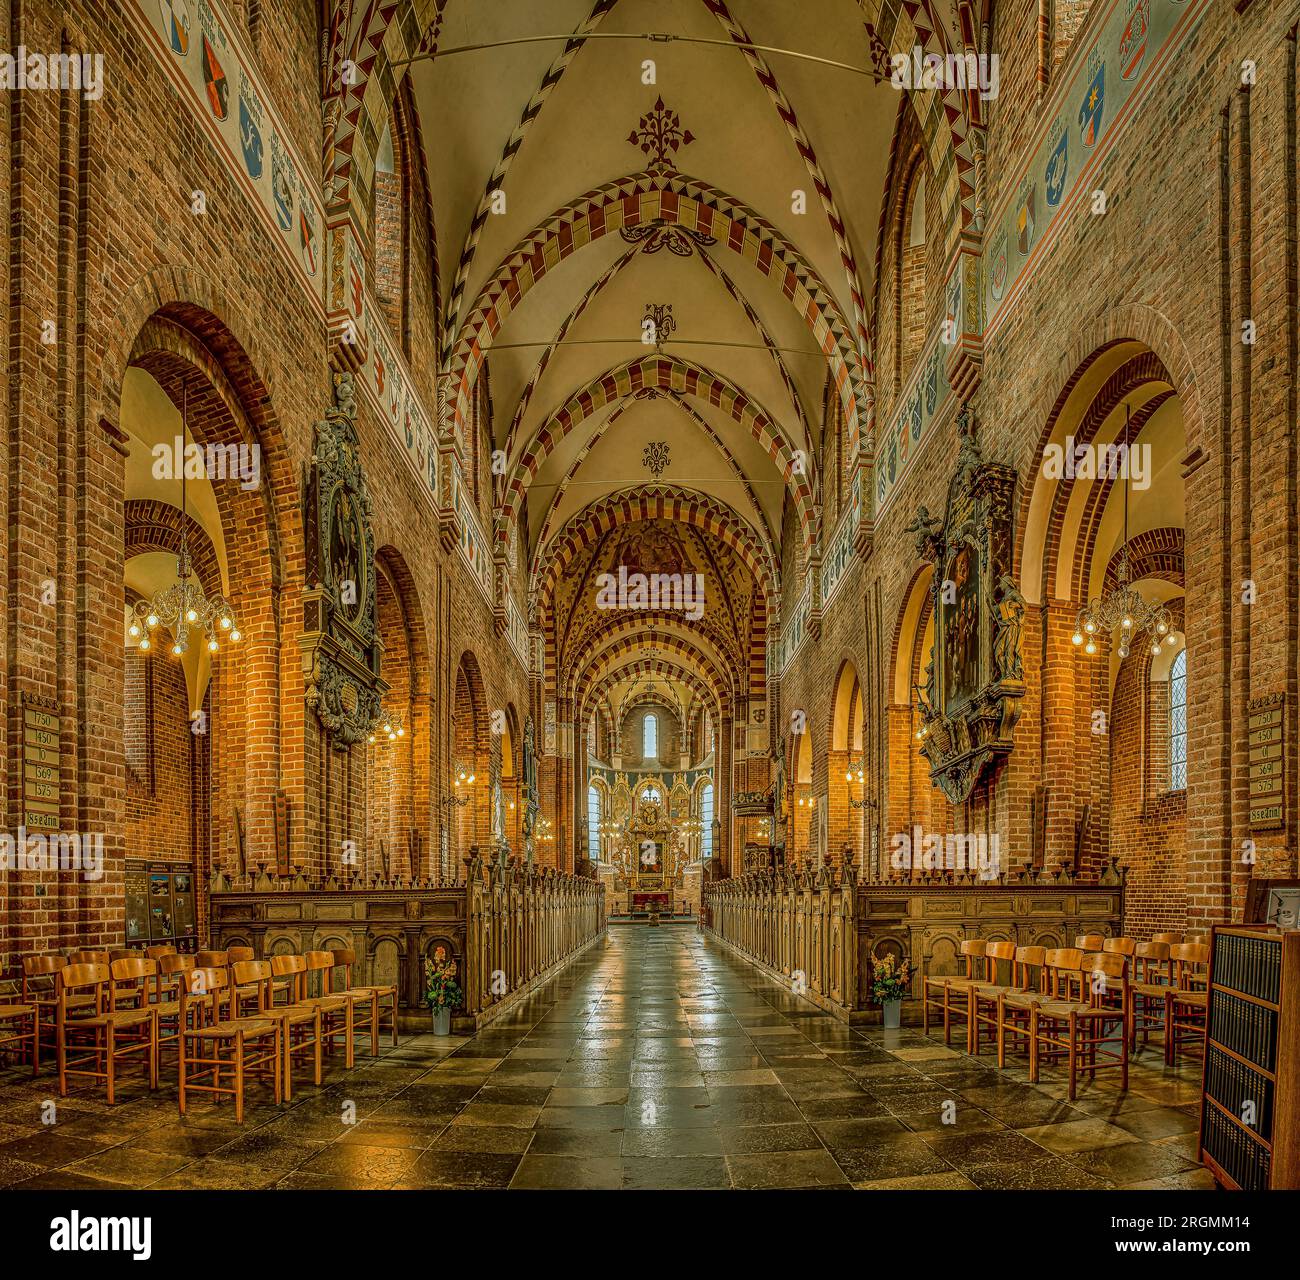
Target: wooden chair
1170	938
103	1036
239	1046
1120	946
1186	1001
20	1025
40	987
212	960
239	955
1089	942
999	959
300	1024
90	957
1084	1021
345	959
1152	978
1016	1005
338	1009
949	992
162	949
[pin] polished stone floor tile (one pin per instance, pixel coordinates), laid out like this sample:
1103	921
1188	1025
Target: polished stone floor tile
655	1061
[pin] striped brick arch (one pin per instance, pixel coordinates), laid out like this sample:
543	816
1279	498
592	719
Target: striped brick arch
681	655
642	629
681	376
652	502
641	200
1155	553
156	526
659	667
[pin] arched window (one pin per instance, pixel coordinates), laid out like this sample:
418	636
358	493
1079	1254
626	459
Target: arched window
1178	723
706	821
650	737
593	824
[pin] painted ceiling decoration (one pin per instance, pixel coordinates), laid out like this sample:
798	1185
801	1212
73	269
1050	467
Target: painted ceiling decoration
661	236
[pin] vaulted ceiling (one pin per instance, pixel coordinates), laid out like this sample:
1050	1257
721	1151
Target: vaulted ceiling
725	185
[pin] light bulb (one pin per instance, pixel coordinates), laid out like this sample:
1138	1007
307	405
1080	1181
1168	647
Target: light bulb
151	620
1155	646
144	644
1090	626
388	728
1126	622
401	733
177	650
225	623
1162	627
236	635
848	777
1077	638
1090	647
133	631
471	777
212	645
372	737
392	737
1123	651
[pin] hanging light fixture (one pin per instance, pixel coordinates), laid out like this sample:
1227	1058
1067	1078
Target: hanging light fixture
184	608
1123	608
389	728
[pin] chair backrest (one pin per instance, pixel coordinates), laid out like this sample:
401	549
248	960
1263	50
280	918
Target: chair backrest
1029	959
121	953
238	955
173	963
1089	942
254	973
1150	958
1105	974
1188	958
76	977
41	967
1120	946
90	957
294	968
212	960
1198	937
344	958
972	952
132	976
1170	938
1061	970
995	953
162	949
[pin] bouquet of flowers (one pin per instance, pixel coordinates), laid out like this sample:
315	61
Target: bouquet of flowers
440	986
890	977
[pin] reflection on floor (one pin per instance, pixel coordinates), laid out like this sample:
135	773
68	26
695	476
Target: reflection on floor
657	1060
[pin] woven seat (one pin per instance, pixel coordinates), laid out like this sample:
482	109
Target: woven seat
118	1018
25	1032
93	1042
382	997
16	1011
229	1028
1083	1017
302	1021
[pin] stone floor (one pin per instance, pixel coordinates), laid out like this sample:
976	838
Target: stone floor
656	1061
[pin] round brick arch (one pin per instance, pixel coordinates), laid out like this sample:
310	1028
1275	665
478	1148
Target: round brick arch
663	371
152	525
640	200
626	652
631	632
653	502
647	667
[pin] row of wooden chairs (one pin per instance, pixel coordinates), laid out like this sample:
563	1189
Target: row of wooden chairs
1081	1005
225	1013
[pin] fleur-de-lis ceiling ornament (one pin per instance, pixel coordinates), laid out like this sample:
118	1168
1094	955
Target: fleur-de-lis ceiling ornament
659	134
658	325
655	457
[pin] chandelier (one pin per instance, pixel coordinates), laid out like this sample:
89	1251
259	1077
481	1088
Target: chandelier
389	728
1123	608
184	608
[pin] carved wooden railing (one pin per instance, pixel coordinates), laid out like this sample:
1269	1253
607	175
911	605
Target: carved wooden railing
801	927
818	934
509	927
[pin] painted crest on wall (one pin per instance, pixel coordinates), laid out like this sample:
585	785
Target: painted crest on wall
340	644
970	699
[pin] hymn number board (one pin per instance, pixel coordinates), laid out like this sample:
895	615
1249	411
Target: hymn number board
1266	770
41	756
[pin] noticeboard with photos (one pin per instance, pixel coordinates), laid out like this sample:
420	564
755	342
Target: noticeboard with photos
160	905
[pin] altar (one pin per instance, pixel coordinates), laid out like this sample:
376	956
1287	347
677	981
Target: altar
648	863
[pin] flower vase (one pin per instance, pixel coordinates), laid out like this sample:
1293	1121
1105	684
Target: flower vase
893	1010
442	1020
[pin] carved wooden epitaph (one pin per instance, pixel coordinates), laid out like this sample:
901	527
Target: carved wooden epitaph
970	700
340	641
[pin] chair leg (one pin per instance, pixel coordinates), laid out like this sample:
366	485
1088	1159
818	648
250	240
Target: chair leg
1033	1044
111	1040
180	1049
1002	1034
1074	1051
317	1054
947	1015
239	1077
286	1034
